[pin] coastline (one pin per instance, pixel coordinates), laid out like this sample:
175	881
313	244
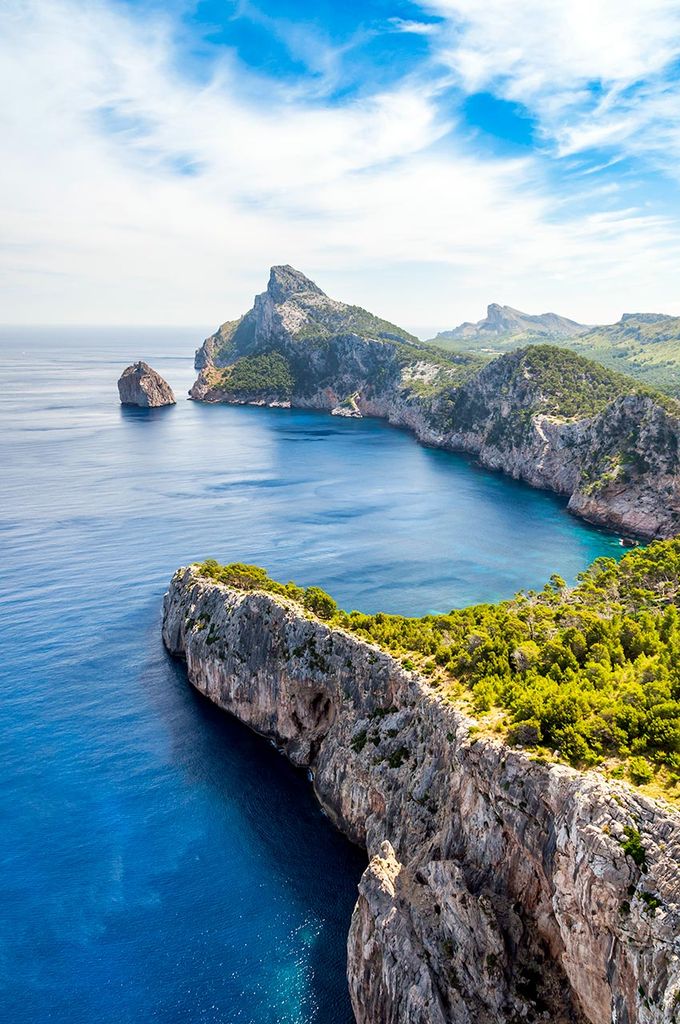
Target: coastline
623	526
470	842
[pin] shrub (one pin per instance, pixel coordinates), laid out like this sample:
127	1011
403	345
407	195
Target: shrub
318	601
526	734
632	846
268	373
640	770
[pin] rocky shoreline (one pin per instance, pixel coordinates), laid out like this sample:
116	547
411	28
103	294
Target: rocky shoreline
541	415
499	888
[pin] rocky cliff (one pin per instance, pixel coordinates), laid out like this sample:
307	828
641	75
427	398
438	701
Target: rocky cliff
299	347
499	889
140	385
541	414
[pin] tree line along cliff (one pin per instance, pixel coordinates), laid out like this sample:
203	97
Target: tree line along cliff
589	675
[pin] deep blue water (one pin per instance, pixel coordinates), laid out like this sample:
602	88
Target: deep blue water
158	862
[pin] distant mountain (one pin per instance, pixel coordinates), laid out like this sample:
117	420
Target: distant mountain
505	324
542	414
644	345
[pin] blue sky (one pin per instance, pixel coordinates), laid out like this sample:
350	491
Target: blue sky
421	159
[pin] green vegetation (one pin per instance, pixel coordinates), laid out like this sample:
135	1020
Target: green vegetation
590	675
644	346
358	742
651	902
333	319
242	576
569	385
268	373
318	601
632	846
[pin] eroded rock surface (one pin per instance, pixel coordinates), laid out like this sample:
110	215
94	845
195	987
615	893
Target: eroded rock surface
498	890
140	385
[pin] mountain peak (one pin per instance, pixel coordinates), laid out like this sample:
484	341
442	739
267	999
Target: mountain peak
497	314
285	281
506	321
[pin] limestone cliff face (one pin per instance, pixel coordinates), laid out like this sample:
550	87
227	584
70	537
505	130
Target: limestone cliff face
619	468
140	385
332	349
497	888
619	464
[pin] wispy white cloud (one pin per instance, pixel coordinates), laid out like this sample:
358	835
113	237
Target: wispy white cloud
418	28
596	73
131	192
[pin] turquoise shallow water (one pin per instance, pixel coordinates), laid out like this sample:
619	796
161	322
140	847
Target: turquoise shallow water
158	861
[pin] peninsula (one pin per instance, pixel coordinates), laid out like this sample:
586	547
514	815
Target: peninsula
542	414
503	884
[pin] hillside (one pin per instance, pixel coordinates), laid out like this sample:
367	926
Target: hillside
542	414
645	346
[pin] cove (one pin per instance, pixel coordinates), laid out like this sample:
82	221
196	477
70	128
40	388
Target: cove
159	861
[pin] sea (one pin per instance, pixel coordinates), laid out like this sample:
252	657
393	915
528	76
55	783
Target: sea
158	861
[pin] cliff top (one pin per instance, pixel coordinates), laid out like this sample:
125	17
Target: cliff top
586	675
285	282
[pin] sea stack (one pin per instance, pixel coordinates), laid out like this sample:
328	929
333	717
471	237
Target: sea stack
140	385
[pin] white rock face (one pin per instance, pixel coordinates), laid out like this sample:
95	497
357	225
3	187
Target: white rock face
497	889
142	386
619	469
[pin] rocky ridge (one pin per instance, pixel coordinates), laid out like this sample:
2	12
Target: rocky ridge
644	345
498	888
140	385
540	414
506	322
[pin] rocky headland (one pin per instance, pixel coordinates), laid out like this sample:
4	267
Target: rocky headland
541	414
499	889
141	385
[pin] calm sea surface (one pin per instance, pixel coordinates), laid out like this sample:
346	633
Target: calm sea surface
158	862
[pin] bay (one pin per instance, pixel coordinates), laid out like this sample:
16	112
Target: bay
159	862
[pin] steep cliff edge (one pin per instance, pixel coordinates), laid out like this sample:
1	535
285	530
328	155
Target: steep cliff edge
541	414
499	889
